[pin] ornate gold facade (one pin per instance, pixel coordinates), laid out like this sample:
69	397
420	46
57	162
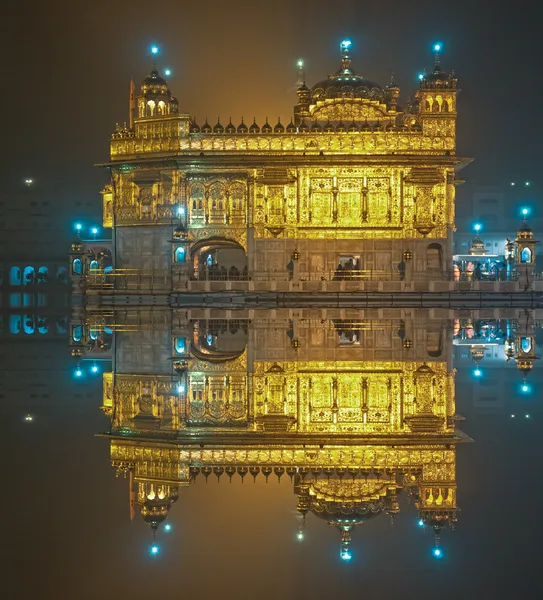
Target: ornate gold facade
352	181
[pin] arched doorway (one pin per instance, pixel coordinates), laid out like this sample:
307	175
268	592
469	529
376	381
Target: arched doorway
218	259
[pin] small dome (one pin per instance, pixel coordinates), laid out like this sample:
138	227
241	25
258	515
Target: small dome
242	128
279	128
206	127
291	128
315	126
230	128
180	233
266	128
194	127
154	79
218	128
254	128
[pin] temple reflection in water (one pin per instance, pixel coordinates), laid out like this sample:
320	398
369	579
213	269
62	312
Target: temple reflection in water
355	412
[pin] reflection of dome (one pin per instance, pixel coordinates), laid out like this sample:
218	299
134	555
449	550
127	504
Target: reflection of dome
180	233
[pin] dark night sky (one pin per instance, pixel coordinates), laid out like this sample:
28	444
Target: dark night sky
68	68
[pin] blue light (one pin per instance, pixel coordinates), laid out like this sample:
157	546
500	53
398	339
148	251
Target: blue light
477	372
421	76
300	536
181	210
78	226
345	44
94	369
437	552
527	183
437	47
513	184
154	550
180	388
167	527
420	523
525	388
167	72
526	416
525	211
300	63
155	49
477	227
78	373
94	230
345	555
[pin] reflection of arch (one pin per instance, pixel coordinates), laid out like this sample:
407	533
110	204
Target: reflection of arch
28	324
94	265
15	276
526	255
434	256
28	275
214	356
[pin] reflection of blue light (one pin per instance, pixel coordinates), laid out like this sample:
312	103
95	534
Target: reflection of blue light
513	183
167	527
154	49
420	523
180	388
437	552
526	183
78	226
78	373
525	388
300	536
527	416
94	369
209	338
477	372
345	555
477	227
155	550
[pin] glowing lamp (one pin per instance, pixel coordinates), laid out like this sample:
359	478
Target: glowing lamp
437	47
527	183
167	72
525	211
512	416
420	523
421	76
154	550
94	369
94	230
29	181
300	536
437	553
167	527
526	416
525	388
180	388
154	49
181	210
300	63
345	44
346	555
78	373
513	184
477	372
29	418
78	226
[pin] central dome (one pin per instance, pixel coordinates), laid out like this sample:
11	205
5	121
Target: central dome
346	84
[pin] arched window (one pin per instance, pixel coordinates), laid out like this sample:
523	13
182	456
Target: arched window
526	255
42	276
179	255
526	345
15	276
151	107
161	107
77	266
15	324
62	274
29	275
94	265
77	333
29	325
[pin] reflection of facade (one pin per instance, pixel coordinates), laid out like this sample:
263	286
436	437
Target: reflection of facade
351	425
354	187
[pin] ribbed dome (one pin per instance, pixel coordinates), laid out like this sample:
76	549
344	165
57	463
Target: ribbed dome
346	84
154	78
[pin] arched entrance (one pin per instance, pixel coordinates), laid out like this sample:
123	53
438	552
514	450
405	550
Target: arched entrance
218	259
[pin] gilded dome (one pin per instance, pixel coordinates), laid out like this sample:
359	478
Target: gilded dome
154	79
346	84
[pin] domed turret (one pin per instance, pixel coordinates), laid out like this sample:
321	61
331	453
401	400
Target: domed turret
155	99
